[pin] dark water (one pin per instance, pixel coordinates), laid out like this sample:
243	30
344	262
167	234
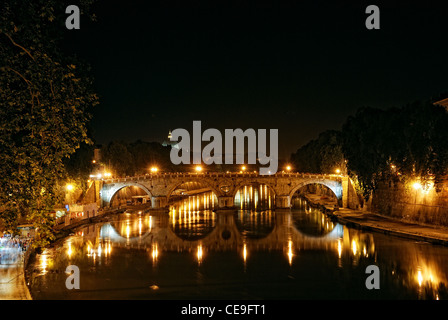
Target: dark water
248	254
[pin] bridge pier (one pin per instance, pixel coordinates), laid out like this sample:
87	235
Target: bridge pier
159	202
225	202
282	203
225	205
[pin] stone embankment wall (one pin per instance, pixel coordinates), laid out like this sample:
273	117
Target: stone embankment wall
410	202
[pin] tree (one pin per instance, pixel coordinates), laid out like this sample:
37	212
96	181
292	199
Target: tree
411	139
79	166
128	159
45	102
118	159
322	155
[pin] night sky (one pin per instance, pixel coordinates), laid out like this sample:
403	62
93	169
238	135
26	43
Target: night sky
298	67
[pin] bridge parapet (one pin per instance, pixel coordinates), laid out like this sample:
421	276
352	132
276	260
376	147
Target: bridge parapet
222	174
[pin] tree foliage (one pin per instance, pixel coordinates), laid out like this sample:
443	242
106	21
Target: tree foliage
45	102
412	140
128	159
322	155
373	144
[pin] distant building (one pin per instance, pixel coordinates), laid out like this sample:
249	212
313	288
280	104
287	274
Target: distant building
97	154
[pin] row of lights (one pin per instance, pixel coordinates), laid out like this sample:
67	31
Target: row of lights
288	168
199	169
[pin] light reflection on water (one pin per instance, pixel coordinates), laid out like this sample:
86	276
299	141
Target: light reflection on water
195	252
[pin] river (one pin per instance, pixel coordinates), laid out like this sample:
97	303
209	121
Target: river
253	252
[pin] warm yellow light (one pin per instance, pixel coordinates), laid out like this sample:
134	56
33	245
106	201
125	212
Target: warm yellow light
338	171
93	161
69	187
417	185
155	252
107	174
419	277
69	250
244	252
288	168
198	168
354	247
290	253
243	168
154	169
339	248
199	253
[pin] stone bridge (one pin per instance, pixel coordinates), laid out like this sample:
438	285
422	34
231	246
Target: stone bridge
160	186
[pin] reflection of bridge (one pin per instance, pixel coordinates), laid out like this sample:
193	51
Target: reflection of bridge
160	186
224	236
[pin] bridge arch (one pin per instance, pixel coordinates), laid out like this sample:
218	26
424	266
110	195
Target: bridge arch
334	186
108	195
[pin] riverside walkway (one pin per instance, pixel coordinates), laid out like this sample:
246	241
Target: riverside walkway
369	221
12	272
12	282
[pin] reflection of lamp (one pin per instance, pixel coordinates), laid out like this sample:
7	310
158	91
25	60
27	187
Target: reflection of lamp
199	254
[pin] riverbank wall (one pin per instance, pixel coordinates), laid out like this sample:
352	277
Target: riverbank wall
373	222
410	201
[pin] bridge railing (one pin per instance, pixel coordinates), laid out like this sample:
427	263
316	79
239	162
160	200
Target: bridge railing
220	174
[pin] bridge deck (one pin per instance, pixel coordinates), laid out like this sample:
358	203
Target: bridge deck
221	175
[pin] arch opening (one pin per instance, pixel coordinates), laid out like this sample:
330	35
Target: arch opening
130	196
254	197
317	193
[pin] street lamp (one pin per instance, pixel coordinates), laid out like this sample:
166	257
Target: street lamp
69	187
198	168
288	168
338	171
154	169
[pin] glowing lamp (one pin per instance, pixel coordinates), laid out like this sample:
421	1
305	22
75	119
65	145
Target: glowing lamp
417	186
